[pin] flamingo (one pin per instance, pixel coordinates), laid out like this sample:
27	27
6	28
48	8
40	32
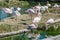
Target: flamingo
56	6
18	15
7	10
48	4
32	26
31	12
38	7
36	20
50	21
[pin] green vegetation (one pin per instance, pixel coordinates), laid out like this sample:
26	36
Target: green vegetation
9	28
5	27
16	37
23	4
52	31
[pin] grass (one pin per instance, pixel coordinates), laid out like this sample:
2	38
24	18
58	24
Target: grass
9	24
50	32
17	24
16	37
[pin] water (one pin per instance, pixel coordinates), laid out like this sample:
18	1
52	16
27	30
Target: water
2	14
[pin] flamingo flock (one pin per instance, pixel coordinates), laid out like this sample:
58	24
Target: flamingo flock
36	10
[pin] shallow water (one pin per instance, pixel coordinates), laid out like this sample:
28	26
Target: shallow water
2	14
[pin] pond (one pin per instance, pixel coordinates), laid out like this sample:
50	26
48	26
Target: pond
2	14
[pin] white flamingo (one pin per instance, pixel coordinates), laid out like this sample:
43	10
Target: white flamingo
17	14
56	6
7	10
33	26
50	21
37	8
31	12
43	8
48	4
